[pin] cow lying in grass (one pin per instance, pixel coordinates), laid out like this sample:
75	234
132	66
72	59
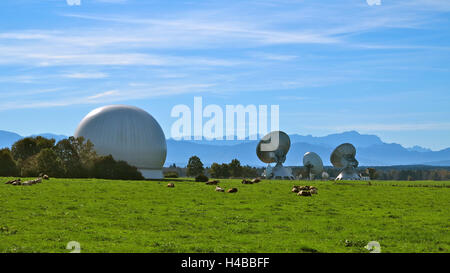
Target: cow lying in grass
18	182
304	193
256	180
12	181
305	190
32	182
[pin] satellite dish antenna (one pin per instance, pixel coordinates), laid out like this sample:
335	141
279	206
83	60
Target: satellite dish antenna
273	148
343	157
313	164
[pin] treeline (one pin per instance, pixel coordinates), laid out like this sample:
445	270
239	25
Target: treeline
413	175
406	174
69	158
397	173
389	173
234	169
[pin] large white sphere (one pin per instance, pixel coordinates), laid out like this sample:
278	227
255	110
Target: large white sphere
129	134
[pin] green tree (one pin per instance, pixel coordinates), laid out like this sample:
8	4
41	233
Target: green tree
195	166
30	146
214	170
49	163
235	168
76	155
70	159
372	173
248	171
8	166
85	150
219	170
29	167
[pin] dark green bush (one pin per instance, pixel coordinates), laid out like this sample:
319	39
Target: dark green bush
105	167
8	166
201	178
171	175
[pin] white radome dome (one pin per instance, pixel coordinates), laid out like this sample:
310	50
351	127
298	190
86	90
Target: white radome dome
127	133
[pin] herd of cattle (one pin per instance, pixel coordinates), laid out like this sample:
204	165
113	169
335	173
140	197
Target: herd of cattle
300	190
18	182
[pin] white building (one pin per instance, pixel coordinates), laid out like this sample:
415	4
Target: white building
129	134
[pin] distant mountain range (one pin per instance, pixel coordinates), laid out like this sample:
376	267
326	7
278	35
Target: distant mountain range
371	150
7	139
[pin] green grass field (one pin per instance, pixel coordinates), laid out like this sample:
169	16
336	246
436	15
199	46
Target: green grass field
149	217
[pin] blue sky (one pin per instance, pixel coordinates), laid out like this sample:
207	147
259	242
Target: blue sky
332	66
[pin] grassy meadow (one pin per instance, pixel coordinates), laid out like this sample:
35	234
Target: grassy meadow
147	216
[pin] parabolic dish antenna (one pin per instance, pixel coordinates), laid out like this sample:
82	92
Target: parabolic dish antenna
273	148
344	157
314	164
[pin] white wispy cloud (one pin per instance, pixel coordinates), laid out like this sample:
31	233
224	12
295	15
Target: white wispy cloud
41	55
30	92
183	41
103	95
274	57
136	91
295	98
207	32
17	79
123	44
95	75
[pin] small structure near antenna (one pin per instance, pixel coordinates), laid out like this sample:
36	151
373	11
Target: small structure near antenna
313	164
343	157
273	148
